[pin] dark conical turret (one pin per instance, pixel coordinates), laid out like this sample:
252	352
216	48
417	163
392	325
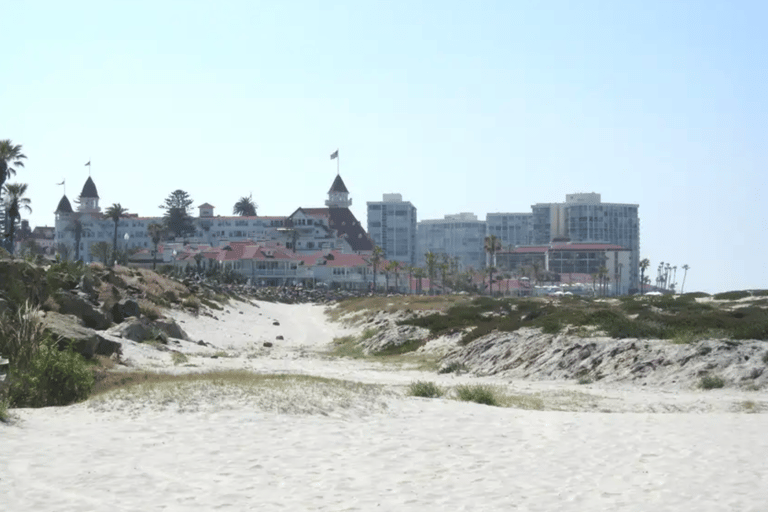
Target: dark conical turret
89	189
338	196
64	205
338	185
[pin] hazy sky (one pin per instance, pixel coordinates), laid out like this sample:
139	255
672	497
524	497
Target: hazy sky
459	106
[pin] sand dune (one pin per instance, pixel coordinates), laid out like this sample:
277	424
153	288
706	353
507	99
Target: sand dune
332	448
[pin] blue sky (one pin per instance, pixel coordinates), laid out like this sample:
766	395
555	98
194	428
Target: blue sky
459	106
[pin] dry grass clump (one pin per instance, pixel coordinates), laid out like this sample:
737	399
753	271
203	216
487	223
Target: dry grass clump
425	389
281	393
480	394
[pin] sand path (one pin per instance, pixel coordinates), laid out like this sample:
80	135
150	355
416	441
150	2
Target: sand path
385	452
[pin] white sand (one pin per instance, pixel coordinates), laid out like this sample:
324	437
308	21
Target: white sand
322	448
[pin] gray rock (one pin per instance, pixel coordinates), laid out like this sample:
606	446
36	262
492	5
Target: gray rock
133	329
279	337
125	308
67	330
267	344
171	328
74	304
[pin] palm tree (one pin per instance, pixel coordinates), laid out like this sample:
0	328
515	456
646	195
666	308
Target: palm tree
411	270
492	245
155	232
115	212
376	257
10	157
644	264
602	273
14	204
245	207
431	261
392	266
685	267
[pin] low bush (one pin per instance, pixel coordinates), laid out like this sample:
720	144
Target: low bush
5	416
711	382
41	374
736	295
425	389
53	377
479	393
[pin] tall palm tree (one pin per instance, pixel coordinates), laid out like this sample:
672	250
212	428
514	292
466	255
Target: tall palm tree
155	232
492	245
245	207
602	273
115	212
644	264
10	157
378	254
431	261
14	204
685	267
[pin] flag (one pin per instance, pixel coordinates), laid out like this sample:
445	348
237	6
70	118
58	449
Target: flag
62	182
335	154
88	164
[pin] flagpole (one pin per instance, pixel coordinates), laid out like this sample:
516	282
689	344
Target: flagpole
338	162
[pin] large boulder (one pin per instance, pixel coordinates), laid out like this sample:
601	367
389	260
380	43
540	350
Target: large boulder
133	329
171	328
125	308
67	330
74	304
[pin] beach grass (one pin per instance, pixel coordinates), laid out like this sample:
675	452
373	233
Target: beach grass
425	389
281	393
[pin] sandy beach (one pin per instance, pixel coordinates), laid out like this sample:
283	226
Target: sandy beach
317	445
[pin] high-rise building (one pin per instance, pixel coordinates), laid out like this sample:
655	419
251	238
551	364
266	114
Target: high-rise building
512	229
458	236
584	218
392	226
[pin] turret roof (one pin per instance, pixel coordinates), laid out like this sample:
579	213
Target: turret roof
338	185
89	189
64	205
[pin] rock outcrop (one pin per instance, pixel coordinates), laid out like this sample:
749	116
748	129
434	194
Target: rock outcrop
530	354
68	330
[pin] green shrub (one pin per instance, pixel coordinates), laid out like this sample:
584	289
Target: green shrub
425	389
478	393
711	382
736	295
53	377
5	417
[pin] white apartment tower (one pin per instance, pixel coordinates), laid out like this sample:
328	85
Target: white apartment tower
460	236
392	226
